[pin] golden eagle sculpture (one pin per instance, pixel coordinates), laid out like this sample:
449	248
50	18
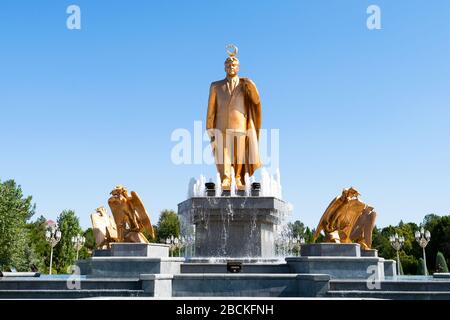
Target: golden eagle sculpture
104	228
128	224
130	216
347	220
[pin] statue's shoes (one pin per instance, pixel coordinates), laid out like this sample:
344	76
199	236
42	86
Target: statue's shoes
226	184
240	186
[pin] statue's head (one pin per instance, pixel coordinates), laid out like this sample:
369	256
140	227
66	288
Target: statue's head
350	193
118	191
232	66
232	62
101	211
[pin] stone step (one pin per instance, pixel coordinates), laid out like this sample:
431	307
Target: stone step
68	294
249	285
418	286
222	268
129	267
61	284
391	295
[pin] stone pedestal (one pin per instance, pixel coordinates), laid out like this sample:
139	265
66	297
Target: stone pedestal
233	226
130	260
153	250
369	253
331	250
341	261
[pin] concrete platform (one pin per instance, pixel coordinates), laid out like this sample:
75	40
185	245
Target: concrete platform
250	285
152	250
226	285
331	250
341	261
128	267
261	268
339	267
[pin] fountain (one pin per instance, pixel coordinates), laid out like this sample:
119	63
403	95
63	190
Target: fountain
218	185
237	225
248	187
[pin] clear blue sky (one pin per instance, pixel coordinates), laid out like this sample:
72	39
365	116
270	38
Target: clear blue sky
84	110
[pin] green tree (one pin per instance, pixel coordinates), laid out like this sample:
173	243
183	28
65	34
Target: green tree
439	228
15	210
420	270
64	254
168	225
148	236
320	238
380	241
441	264
309	235
431	221
408	252
408	263
36	241
89	245
297	229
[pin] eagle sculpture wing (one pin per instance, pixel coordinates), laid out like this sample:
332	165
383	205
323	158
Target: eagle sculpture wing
99	225
142	213
335	203
112	229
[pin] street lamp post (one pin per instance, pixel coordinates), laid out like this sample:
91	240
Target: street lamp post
301	242
173	242
52	236
397	243
423	237
295	242
291	243
78	242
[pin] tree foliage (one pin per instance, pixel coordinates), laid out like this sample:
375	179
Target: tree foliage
420	267
89	245
40	247
15	210
408	252
168	225
439	228
64	252
441	264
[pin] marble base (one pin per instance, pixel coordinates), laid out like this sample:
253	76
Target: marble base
233	226
331	250
250	285
341	261
153	250
128	267
131	260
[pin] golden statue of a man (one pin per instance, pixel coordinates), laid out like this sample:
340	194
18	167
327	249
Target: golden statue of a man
233	123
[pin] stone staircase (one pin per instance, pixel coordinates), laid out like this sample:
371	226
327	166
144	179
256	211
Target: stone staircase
141	270
35	288
390	289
